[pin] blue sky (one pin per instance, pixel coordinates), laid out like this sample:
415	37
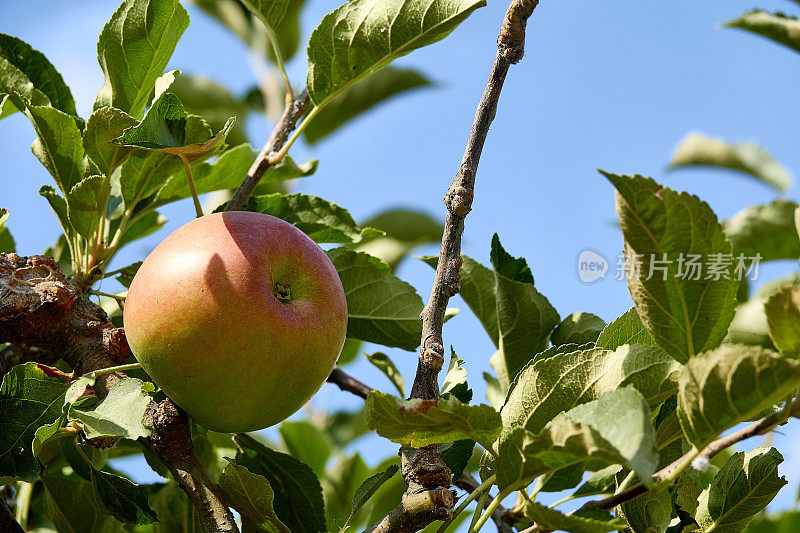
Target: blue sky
611	85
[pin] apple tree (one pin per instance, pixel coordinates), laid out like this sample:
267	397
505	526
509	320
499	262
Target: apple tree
635	419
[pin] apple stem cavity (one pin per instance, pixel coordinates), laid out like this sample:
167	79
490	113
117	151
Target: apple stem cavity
282	292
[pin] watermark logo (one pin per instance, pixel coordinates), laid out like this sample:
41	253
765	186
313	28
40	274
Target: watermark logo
591	266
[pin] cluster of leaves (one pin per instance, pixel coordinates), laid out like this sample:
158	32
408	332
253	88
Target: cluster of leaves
574	403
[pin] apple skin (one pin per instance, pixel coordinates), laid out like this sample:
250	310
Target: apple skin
203	318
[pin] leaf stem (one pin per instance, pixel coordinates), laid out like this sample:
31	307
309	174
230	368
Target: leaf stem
278	156
116	297
276	50
483	487
478	508
113	369
188	169
490	509
24	494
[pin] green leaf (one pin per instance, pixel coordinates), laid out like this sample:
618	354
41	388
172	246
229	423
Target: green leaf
455	380
145	172
47	432
58	145
731	384
119	414
320	219
86	203
133	50
163	129
552	519
244	24
478	291
382	362
767	230
70	505
626	329
419	423
124	499
298	495
212	101
340	485
31	396
252	496
175	512
364	95
686	316
649	513
362	36
457	455
578	328
776	27
103	126
601	482
565	380
697	149
381	308
366	491
126	274
45	81
308	442
783	318
147	224
742	488
785	522
7	243
525	317
614	429
227	172
405	230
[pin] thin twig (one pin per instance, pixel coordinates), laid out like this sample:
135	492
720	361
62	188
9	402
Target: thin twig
424	468
283	128
348	383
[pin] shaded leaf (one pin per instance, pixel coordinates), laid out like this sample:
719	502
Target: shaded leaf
133	50
381	308
298	495
649	513
552	519
525	317
31	396
307	442
697	149
124	499
71	506
320	219
776	27
785	522
601	482
405	230
252	496
45	81
367	490
103	126
363	36
578	328
783	317
419	423
126	274
364	95
212	101
742	488
382	362
766	230
175	511
731	384
86	203
686	316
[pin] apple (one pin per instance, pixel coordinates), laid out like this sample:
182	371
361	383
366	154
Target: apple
239	317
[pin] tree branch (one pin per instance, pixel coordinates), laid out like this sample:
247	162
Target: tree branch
348	383
7	522
40	308
416	511
423	468
283	128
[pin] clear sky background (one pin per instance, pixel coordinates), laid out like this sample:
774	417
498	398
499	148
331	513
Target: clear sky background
611	85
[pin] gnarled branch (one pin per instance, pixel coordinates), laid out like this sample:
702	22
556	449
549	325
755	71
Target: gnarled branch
40	308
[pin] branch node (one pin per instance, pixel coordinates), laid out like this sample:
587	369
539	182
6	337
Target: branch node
511	41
